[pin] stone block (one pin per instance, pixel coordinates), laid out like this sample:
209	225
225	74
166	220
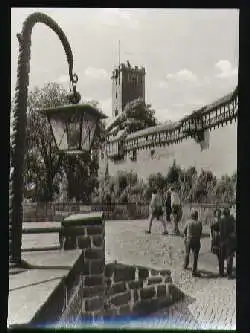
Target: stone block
165	272
120	299
175	293
161	290
168	279
93	281
135	284
118	287
94	303
97	240
124	273
154	280
74	231
94	254
95	230
145	307
164	302
96	266
109	269
83	242
110	313
124	310
143	273
154	272
93	291
93	218
85	268
148	292
69	243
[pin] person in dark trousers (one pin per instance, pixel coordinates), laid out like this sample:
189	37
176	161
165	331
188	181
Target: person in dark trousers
176	209
156	211
214	235
226	229
168	206
192	240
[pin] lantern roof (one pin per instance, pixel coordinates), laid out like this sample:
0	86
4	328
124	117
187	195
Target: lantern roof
76	107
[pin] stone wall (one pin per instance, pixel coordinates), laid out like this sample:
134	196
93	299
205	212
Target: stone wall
135	290
220	157
89	294
93	290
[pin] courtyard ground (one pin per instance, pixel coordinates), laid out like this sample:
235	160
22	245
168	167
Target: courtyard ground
210	302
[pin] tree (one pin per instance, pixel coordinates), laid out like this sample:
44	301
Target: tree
157	181
200	191
137	115
174	175
225	189
81	174
41	160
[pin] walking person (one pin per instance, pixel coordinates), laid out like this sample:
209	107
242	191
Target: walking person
226	229
176	209
214	235
168	206
156	211
192	240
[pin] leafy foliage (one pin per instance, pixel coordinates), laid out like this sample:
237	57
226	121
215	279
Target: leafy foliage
192	186
137	115
41	160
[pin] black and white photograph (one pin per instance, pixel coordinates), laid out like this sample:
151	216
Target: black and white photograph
123	168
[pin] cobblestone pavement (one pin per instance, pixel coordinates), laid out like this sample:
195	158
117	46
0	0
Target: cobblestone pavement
210	301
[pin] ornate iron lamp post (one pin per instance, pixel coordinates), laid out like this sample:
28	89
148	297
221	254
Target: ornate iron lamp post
73	126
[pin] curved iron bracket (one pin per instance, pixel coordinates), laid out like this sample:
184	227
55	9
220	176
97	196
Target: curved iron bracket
18	136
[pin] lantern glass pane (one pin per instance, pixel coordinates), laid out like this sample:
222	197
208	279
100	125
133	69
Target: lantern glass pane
73	131
59	131
88	130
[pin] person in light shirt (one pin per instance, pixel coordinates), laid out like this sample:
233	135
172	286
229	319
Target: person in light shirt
156	211
176	209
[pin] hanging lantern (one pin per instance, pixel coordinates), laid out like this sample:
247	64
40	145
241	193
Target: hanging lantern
73	126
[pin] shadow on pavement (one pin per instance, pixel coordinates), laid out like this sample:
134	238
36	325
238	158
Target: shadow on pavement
176	315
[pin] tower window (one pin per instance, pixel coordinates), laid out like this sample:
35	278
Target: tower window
116	94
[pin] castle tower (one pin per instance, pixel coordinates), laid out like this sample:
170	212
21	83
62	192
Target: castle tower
128	84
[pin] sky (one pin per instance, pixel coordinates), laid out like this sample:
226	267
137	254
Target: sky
190	55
